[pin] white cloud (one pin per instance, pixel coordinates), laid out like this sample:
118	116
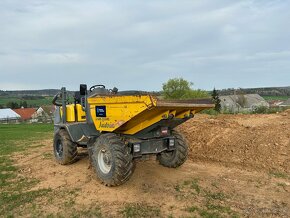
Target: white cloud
140	44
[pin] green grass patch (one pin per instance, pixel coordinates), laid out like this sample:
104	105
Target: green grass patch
281	184
271	98
10	201
210	112
193	184
177	188
218	208
212	211
210	214
210	204
14	190
192	209
279	174
92	212
18	132
215	195
140	210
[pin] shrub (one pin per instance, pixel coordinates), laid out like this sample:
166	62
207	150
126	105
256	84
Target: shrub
179	88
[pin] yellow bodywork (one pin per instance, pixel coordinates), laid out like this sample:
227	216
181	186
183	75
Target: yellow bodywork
131	114
120	110
74	113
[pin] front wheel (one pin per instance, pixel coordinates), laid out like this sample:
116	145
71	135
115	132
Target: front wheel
112	160
65	151
176	158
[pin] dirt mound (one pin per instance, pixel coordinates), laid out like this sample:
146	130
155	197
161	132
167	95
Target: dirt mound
251	141
286	112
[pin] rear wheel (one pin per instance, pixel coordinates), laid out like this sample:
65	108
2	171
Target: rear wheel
112	160
65	151
177	157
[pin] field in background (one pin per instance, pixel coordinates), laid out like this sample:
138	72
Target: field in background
271	98
34	103
234	170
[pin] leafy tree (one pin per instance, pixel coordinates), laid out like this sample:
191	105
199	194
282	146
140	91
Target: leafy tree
12	105
179	88
23	104
216	100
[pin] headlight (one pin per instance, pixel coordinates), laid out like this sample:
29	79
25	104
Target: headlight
137	148
171	142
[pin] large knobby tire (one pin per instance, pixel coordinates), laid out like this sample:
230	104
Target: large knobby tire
176	158
112	160
65	151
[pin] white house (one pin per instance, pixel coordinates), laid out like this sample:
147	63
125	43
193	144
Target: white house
7	115
285	104
45	114
237	103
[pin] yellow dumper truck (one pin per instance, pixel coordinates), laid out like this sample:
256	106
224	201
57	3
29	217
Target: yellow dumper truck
119	127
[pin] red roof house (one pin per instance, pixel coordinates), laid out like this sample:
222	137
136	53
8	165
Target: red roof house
25	113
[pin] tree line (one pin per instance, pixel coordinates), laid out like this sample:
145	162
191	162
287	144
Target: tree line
270	91
15	105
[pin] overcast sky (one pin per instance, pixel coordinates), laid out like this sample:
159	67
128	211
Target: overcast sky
141	44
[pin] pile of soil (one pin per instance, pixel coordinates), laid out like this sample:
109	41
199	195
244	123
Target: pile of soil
261	142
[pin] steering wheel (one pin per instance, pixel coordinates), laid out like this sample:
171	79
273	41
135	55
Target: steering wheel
95	86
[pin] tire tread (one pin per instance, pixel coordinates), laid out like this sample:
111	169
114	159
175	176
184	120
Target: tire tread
179	156
70	151
123	161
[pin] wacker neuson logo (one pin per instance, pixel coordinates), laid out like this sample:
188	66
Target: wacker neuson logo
101	111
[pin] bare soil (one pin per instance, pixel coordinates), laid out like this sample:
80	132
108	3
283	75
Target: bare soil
239	166
258	142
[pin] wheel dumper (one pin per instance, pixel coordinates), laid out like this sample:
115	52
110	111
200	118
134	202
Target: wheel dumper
120	127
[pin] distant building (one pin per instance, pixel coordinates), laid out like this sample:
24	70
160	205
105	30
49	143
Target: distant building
45	114
275	103
285	103
238	103
27	114
7	115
